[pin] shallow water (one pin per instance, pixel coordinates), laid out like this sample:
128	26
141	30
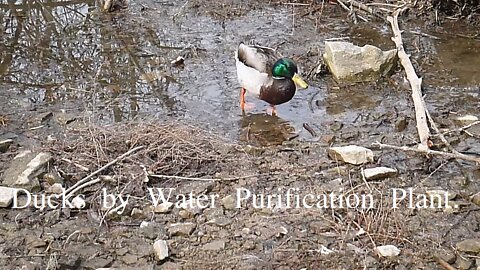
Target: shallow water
115	67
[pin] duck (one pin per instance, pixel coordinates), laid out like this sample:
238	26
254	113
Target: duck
265	74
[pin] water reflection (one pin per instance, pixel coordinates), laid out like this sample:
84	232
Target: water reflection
265	129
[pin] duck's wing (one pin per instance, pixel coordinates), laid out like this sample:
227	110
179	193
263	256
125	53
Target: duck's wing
257	57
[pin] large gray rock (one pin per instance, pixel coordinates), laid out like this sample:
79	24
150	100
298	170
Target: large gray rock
25	169
349	63
352	154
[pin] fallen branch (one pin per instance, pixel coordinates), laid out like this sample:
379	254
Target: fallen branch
84	181
427	152
207	179
415	82
462	128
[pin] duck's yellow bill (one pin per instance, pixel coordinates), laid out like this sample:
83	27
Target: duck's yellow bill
299	81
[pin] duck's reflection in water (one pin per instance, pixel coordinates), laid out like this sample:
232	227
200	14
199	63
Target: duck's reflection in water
264	129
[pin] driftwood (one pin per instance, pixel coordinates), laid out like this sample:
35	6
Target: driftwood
415	82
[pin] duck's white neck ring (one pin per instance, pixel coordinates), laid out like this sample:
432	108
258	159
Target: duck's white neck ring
278	78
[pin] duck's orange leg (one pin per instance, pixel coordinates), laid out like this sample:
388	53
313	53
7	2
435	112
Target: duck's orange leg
244	105
242	98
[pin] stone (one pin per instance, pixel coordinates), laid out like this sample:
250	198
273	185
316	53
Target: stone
78	202
464	263
56	188
181	229
25	168
163	208
350	63
387	251
469	245
449	257
476	200
220	221
160	248
5	144
229	202
467	119
6	196
352	154
215	245
129	258
379	173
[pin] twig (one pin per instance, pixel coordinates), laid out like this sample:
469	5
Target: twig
83	182
207	179
462	128
81	167
427	152
415	82
444	264
310	129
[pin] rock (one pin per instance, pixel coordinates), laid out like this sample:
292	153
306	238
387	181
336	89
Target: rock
387	251
5	144
335	185
6	196
351	154
25	168
449	257
229	202
78	202
379	173
467	119
464	263
349	63
215	245
56	188
163	208
469	245
476	200
53	177
221	221
129	258
192	207
161	249
184	229
169	266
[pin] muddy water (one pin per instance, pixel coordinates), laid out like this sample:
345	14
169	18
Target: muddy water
68	57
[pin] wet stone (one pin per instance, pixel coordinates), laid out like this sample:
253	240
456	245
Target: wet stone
163	208
97	262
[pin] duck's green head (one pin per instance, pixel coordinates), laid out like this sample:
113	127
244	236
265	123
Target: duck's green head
286	68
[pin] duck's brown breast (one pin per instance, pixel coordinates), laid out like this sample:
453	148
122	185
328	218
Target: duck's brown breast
280	91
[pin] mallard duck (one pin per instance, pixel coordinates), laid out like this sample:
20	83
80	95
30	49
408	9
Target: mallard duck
266	75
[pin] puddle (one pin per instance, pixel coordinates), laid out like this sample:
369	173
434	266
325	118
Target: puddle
115	67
